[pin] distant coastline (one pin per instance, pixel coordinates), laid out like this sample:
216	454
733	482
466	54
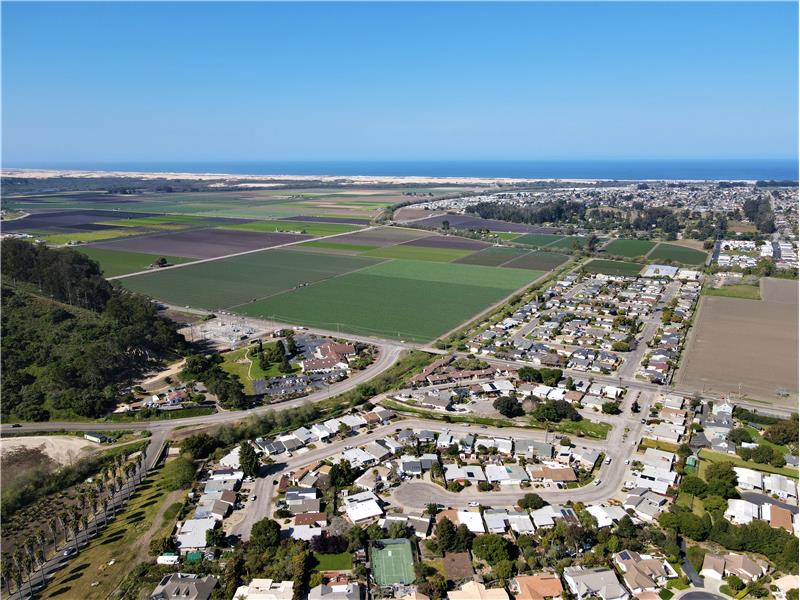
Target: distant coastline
436	171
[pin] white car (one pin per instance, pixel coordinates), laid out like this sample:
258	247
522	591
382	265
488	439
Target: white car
473	503
627	461
596	482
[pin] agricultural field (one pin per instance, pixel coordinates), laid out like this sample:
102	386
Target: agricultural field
388	281
493	256
233	281
542	261
119	262
538	239
569	243
612	267
678	254
359	205
201	243
751	344
405	299
290	226
470	222
629	248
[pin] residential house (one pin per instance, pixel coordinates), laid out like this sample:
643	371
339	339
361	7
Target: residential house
598	582
719	566
342	591
472	590
265	589
184	586
643	573
542	586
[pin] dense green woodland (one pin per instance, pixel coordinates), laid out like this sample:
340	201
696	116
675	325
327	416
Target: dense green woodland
71	339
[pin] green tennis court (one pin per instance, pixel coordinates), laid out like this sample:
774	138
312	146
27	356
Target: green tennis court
392	562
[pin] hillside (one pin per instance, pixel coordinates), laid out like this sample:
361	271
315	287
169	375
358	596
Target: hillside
66	361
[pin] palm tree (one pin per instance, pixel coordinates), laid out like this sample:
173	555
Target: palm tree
39	554
52	525
95	503
118	481
104	503
84	521
140	465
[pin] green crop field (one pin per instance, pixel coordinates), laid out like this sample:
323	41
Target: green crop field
678	254
310	228
403	299
119	262
494	256
629	248
569	243
537	239
506	235
175	220
419	253
229	282
337	246
612	267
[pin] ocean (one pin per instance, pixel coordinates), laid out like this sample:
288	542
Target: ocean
727	169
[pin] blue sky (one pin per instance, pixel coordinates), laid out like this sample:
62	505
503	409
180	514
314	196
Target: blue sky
184	81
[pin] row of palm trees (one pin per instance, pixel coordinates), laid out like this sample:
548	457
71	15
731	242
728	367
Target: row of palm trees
92	503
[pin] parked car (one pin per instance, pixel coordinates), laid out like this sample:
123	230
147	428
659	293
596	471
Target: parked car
69	552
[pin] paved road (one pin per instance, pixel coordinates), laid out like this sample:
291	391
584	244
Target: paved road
386	358
416	495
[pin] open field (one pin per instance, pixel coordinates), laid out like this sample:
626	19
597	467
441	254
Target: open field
232	281
708	456
493	256
678	254
201	243
741	290
341	204
538	239
569	242
308	228
119	262
449	241
612	267
543	261
629	248
382	236
752	344
125	541
63	449
409	252
404	299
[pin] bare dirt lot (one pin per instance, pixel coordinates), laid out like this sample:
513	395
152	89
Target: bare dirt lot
62	449
752	343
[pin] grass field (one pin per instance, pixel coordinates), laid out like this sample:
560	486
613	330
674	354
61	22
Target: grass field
612	267
629	248
310	228
410	300
233	281
119	262
334	562
248	369
88	575
178	220
506	236
393	563
678	254
742	290
92	236
538	239
408	252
